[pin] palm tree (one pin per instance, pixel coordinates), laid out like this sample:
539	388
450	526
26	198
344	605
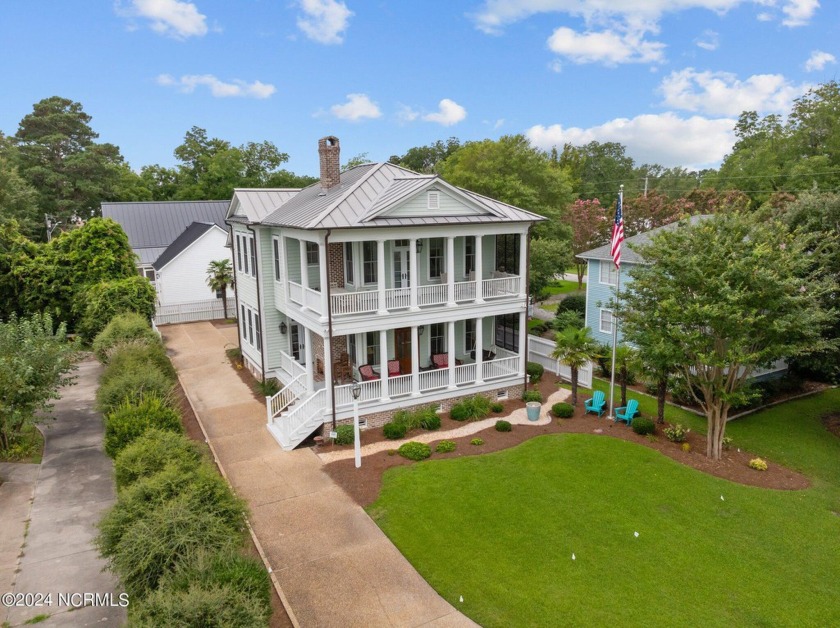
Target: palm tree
624	362
219	277
575	347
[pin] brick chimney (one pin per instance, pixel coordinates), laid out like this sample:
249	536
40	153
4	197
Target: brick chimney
328	152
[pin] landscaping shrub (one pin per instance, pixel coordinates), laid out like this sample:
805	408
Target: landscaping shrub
123	328
394	431
344	435
269	387
727	442
567	318
137	355
201	489
758	464
642	425
414	419
562	410
686	447
535	371
477	441
152	452
532	395
445	446
573	303
471	409
130	420
497	407
675	433
538	330
414	450
102	301
215	606
430	422
503	426
131	385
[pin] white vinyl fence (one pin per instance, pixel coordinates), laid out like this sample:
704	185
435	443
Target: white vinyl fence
210	309
540	350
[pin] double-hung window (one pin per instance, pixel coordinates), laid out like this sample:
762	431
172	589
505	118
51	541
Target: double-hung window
348	263
606	322
437	338
372	342
469	335
469	255
436	259
369	262
608	273
311	253
253	251
276	248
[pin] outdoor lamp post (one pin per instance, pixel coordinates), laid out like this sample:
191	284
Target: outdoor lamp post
356	389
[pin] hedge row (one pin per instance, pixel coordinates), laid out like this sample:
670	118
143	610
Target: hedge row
174	535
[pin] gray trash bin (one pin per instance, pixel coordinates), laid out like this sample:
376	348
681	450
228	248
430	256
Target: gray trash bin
533	409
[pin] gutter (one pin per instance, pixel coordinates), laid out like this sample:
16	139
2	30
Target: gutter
260	303
239	323
330	324
527	301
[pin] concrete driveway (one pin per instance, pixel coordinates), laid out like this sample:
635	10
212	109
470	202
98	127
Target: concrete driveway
334	566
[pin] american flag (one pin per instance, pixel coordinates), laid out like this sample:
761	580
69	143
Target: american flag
617	234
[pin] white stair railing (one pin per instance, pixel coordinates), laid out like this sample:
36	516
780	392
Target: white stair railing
285	397
295	425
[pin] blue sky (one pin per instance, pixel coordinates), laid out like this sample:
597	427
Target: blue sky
666	78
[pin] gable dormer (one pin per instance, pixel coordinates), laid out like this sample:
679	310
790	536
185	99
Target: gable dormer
425	197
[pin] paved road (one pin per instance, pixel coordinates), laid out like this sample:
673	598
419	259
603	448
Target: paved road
69	492
333	564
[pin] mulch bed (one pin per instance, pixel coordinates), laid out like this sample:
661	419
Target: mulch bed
363	485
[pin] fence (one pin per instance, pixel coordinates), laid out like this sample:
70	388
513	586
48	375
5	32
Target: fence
189	312
540	350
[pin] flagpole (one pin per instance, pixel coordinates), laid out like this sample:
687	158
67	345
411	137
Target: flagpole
615	322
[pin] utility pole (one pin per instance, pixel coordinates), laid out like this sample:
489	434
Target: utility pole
646	179
51	225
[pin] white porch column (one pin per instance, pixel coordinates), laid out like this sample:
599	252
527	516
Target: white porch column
450	348
415	360
304	269
322	270
380	276
383	365
328	371
310	366
479	271
523	341
479	350
412	276
523	264
450	271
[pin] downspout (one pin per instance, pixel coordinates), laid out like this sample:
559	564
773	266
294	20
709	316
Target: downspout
260	304
527	302
329	323
236	293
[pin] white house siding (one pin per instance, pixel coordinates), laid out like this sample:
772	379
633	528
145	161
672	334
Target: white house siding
184	279
272	338
246	294
418	206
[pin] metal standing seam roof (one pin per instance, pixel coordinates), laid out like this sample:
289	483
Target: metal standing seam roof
379	186
182	242
156	224
628	254
257	203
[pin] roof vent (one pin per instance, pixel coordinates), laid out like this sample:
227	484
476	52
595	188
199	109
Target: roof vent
328	153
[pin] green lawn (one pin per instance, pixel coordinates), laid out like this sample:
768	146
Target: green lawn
500	530
561	286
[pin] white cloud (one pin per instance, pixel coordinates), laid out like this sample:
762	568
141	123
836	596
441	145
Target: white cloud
324	21
608	47
357	107
721	93
449	113
407	114
219	89
173	18
799	12
664	139
709	40
818	60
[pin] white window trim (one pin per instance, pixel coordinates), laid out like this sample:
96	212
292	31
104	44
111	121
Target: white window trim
307	245
352	263
251	336
277	258
602	311
612	272
363	262
429	259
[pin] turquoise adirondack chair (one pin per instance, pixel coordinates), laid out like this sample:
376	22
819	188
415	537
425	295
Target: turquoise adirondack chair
626	413
596	404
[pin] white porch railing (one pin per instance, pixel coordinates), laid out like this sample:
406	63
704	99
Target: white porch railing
433	294
397	298
371	391
465	291
430	380
500	367
465	374
296	425
295	293
285	397
501	287
399	386
354	302
312	299
290	365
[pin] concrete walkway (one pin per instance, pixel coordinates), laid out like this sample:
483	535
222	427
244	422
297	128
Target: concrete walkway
69	492
333	565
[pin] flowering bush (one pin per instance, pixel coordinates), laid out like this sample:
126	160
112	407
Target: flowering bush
686	447
676	433
758	464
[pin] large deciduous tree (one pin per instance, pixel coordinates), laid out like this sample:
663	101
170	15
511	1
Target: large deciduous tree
425	159
728	295
590	222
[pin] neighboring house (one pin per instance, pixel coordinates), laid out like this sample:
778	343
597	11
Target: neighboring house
413	287
175	241
603	278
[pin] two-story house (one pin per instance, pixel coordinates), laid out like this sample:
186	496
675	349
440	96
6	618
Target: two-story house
411	286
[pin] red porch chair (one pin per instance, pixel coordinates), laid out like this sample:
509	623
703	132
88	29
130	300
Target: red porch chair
367	373
394	368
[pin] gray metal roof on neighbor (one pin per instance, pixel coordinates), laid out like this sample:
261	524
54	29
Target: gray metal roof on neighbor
189	235
370	189
640	239
256	203
156	224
